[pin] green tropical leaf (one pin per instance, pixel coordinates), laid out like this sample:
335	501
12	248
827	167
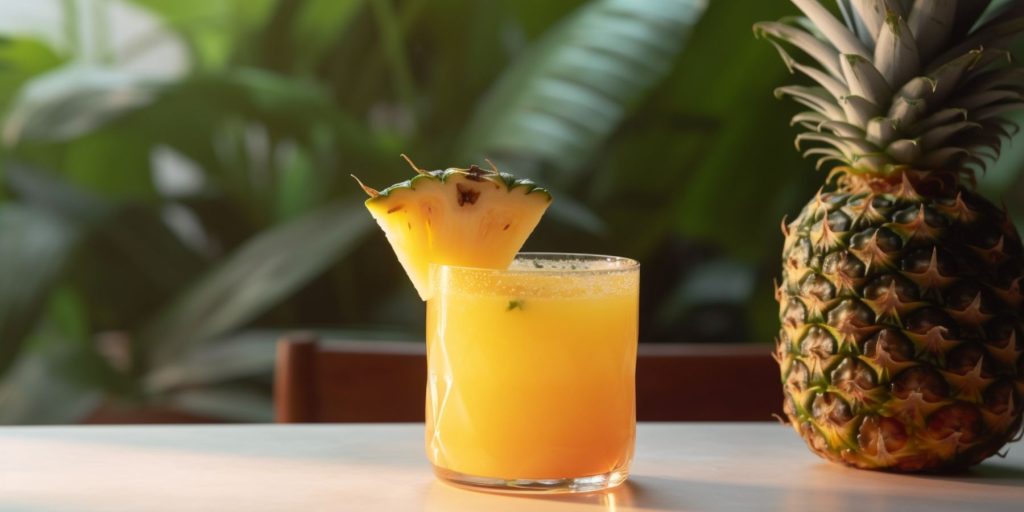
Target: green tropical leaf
75	101
1004	180
47	192
139	240
561	99
237	403
258	275
211	29
72	101
1009	168
577	215
535	18
745	142
248	354
239	355
37	391
719	281
21	59
228	379
270	96
317	26
193	114
34	248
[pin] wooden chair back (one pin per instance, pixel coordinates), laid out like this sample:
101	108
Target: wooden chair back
355	381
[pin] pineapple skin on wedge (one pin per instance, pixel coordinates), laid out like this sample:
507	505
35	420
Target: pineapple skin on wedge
464	217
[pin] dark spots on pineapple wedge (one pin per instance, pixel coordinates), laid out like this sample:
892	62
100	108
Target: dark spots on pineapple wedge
408	225
475	173
464	194
506	227
395	208
515	304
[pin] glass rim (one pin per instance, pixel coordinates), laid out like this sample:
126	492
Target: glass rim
627	264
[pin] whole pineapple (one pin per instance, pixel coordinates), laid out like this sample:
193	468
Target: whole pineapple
901	303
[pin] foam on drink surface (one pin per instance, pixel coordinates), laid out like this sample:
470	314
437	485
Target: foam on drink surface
539	277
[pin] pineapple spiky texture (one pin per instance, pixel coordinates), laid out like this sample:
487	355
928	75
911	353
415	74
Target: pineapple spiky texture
465	217
901	293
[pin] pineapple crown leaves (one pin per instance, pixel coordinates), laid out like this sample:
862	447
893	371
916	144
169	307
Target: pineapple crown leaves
903	84
474	173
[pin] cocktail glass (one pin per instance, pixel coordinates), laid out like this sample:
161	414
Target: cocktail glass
531	373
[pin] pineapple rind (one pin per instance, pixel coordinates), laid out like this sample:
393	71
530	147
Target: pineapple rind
900	297
509	181
960	423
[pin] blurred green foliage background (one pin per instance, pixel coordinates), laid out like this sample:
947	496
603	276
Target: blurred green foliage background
174	188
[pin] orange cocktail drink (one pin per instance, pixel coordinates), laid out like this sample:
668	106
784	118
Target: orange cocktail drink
531	372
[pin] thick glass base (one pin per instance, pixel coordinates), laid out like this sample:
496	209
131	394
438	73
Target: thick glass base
542	486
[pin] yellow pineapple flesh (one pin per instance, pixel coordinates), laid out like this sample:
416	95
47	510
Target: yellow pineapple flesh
463	217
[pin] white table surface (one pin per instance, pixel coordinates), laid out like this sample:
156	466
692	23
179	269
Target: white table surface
678	466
